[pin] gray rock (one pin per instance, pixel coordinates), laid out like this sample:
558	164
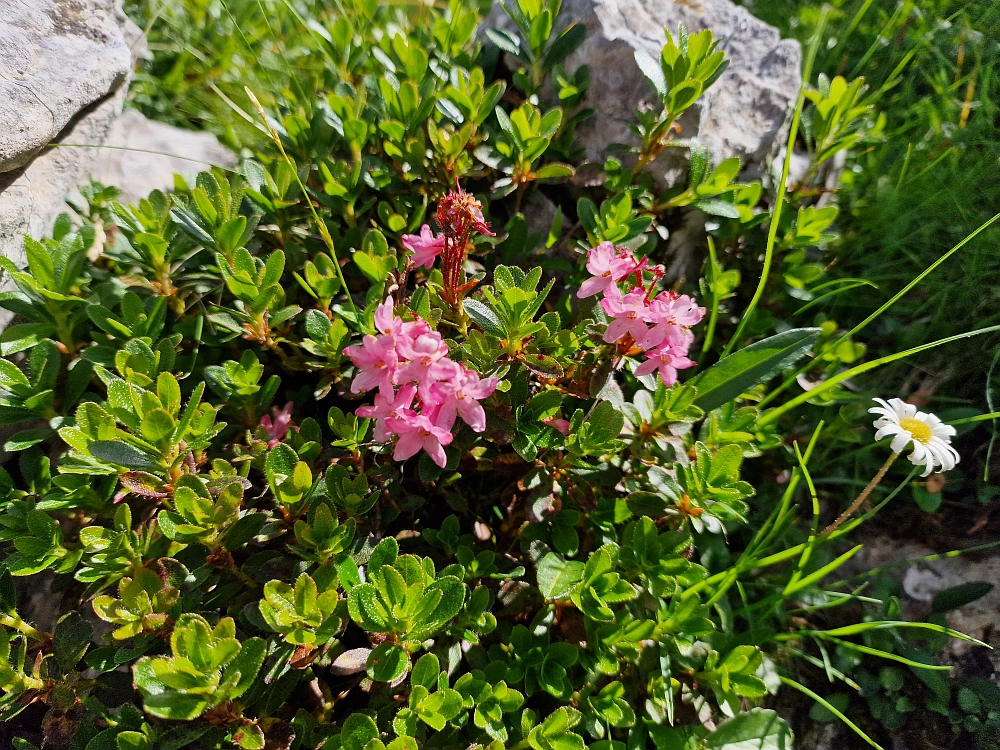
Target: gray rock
64	72
743	114
57	57
142	155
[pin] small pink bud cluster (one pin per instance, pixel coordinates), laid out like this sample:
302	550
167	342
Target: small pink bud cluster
280	425
658	325
421	390
459	215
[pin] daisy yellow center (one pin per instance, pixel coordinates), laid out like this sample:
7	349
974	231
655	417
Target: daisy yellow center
920	430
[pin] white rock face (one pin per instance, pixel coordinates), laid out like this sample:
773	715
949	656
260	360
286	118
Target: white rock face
743	114
142	155
64	71
57	57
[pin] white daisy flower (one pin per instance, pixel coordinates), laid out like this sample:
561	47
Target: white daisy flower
931	438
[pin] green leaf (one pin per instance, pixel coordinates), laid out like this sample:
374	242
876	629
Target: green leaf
70	640
756	729
556	575
960	595
122	454
425	671
281	460
387	663
484	317
736	374
26	438
157	425
358	731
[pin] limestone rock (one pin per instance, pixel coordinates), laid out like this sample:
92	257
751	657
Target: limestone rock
743	114
64	71
142	155
57	57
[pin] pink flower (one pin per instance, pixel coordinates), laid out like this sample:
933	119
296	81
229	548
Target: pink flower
397	406
607	267
428	361
629	312
385	320
461	396
279	427
433	389
425	246
667	361
418	432
677	309
671	315
376	361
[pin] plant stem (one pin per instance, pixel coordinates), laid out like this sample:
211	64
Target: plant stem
15	622
863	496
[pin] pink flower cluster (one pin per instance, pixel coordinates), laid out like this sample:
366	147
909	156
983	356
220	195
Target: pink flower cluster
421	391
658	325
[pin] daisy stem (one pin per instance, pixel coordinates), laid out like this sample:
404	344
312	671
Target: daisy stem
863	496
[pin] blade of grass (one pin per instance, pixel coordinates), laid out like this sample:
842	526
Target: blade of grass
775	413
831	708
864	323
811	542
864	627
862	649
713	265
822	572
855	283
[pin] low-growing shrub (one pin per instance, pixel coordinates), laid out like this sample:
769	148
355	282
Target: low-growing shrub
334	451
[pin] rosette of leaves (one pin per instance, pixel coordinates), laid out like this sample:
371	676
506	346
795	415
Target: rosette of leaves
290	479
49	294
538	662
406	600
487	693
33	395
144	605
352	493
207	667
306	613
601	587
431	701
320	537
506	315
159	438
657	559
199	515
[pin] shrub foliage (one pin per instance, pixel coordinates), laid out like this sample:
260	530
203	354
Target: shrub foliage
347	449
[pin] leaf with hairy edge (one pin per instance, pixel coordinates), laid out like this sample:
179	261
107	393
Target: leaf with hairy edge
742	370
144	484
556	576
122	454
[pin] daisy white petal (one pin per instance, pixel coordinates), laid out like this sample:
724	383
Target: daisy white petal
925	433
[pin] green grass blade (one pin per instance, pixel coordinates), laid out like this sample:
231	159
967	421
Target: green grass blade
888	655
827	385
791	588
831	708
863	627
